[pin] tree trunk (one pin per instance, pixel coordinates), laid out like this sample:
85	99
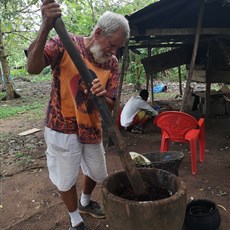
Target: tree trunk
10	92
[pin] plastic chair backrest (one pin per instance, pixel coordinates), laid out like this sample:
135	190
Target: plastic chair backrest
176	124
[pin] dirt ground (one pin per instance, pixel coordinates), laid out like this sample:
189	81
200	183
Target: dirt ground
30	201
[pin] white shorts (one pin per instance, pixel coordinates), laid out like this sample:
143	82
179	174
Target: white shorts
65	154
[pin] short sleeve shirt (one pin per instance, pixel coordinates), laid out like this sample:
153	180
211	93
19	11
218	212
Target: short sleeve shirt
70	110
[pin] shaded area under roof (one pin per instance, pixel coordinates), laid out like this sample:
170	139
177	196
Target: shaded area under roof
196	31
176	20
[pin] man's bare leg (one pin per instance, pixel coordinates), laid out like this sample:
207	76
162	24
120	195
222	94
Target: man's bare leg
70	200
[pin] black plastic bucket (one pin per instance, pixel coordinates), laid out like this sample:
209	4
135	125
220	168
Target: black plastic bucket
168	161
202	215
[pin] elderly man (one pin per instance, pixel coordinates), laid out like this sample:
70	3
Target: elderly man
73	130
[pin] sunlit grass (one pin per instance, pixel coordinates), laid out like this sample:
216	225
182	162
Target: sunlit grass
10	111
44	76
22	158
2	95
40	78
164	96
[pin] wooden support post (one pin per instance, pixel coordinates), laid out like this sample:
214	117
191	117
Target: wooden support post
124	68
208	84
187	92
147	81
152	89
207	97
151	78
180	81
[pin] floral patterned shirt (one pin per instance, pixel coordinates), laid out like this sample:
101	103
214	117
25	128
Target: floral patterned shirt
70	110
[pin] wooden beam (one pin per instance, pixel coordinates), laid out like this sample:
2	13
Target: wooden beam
166	60
173	41
187	91
181	31
133	47
219	76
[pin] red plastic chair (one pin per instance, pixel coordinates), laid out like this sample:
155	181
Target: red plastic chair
181	127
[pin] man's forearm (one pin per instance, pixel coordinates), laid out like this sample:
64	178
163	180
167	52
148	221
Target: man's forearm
36	60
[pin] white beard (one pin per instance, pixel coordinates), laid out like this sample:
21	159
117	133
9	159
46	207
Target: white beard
98	55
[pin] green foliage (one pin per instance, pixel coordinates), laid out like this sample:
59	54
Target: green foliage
44	76
21	155
18	72
9	111
23	158
78	17
81	16
135	72
130	7
2	94
41	78
18	26
22	19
